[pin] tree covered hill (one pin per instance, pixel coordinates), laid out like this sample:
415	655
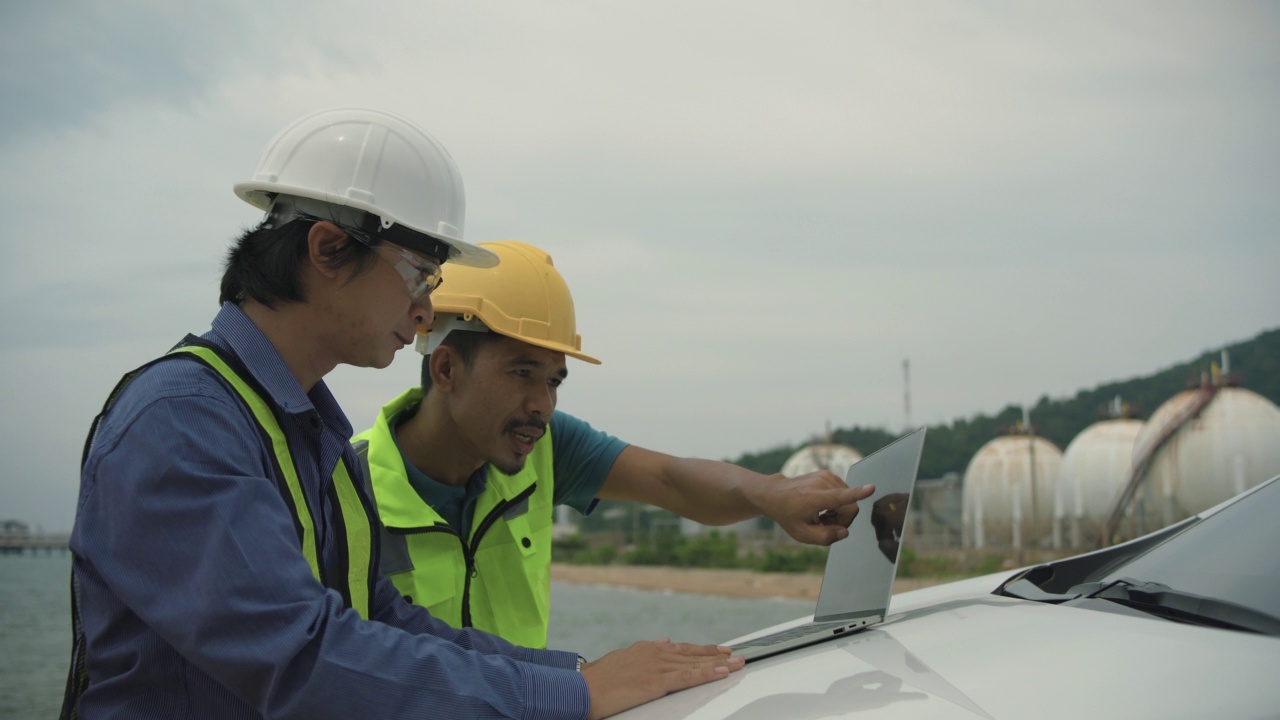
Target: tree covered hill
1255	364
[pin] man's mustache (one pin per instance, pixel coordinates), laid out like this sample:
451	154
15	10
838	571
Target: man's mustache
513	425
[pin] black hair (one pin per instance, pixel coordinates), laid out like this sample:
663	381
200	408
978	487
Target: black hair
264	263
467	343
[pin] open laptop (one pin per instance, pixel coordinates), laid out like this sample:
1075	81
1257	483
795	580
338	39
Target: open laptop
858	579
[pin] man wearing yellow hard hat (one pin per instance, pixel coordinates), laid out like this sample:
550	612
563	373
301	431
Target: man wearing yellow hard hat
468	468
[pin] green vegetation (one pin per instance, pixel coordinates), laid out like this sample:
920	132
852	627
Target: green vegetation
792	559
575	551
667	547
946	565
714	549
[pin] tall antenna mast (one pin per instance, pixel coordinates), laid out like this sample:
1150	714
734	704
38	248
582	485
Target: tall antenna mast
906	391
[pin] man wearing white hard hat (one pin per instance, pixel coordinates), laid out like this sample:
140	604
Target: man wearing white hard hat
226	544
468	468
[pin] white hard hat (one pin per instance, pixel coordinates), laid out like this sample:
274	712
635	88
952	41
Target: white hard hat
397	176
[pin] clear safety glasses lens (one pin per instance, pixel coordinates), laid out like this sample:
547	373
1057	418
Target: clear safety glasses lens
421	276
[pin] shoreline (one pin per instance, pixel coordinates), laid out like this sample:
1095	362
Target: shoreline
709	581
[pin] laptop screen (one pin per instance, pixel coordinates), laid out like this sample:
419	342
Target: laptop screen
858	580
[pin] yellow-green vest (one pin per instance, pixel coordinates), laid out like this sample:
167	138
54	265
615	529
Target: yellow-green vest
499	579
355	581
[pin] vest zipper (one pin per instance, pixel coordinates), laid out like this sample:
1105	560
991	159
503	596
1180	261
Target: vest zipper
470	553
443	527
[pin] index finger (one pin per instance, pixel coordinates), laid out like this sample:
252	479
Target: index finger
834	500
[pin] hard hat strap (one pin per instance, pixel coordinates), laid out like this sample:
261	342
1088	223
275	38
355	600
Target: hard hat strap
364	226
445	324
420	243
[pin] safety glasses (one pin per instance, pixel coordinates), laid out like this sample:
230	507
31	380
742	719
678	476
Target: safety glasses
420	275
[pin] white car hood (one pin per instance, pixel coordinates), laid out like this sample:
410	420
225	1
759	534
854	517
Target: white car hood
956	651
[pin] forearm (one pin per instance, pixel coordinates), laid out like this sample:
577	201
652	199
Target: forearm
717	493
706	491
813	508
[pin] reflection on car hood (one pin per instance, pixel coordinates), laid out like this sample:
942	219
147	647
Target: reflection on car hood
956	651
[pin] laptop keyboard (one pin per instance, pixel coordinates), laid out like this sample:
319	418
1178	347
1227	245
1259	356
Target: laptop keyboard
794	632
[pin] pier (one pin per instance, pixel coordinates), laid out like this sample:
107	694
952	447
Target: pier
19	543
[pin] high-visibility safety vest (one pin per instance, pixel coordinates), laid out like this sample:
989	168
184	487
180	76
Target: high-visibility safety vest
498	579
352	573
355	581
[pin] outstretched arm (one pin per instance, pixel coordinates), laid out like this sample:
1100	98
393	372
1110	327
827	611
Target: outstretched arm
815	508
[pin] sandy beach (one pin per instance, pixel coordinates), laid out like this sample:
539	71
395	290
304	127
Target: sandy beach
733	583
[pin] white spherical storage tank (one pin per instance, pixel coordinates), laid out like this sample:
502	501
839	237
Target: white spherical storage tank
998	488
1095	466
821	456
1231	445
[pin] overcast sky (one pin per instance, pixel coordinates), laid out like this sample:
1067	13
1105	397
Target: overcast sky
761	208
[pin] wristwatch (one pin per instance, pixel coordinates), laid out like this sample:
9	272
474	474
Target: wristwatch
581	661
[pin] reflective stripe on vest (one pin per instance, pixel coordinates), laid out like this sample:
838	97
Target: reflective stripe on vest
357	579
499	579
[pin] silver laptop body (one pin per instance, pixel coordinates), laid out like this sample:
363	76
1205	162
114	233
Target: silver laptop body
858	580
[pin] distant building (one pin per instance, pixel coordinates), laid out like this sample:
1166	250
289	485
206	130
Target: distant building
566	522
933	521
14	528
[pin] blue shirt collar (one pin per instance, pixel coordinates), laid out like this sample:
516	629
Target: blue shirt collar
233	329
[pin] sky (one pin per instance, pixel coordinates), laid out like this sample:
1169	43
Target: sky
761	209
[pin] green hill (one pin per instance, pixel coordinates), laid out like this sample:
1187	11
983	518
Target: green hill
1255	364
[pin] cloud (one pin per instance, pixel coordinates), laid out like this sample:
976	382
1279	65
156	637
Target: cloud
65	62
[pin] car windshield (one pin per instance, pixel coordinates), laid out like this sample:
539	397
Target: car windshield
1231	555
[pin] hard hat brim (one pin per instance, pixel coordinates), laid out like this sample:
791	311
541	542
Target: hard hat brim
260	195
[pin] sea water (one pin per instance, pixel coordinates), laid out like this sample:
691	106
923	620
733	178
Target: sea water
35	625
35	634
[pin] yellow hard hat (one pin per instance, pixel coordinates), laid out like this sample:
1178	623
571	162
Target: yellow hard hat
523	297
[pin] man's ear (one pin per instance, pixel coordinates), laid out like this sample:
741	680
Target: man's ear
324	240
444	365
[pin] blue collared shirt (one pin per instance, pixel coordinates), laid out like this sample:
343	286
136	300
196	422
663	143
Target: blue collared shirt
198	603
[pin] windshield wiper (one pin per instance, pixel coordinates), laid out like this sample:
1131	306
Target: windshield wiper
1161	600
1030	585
